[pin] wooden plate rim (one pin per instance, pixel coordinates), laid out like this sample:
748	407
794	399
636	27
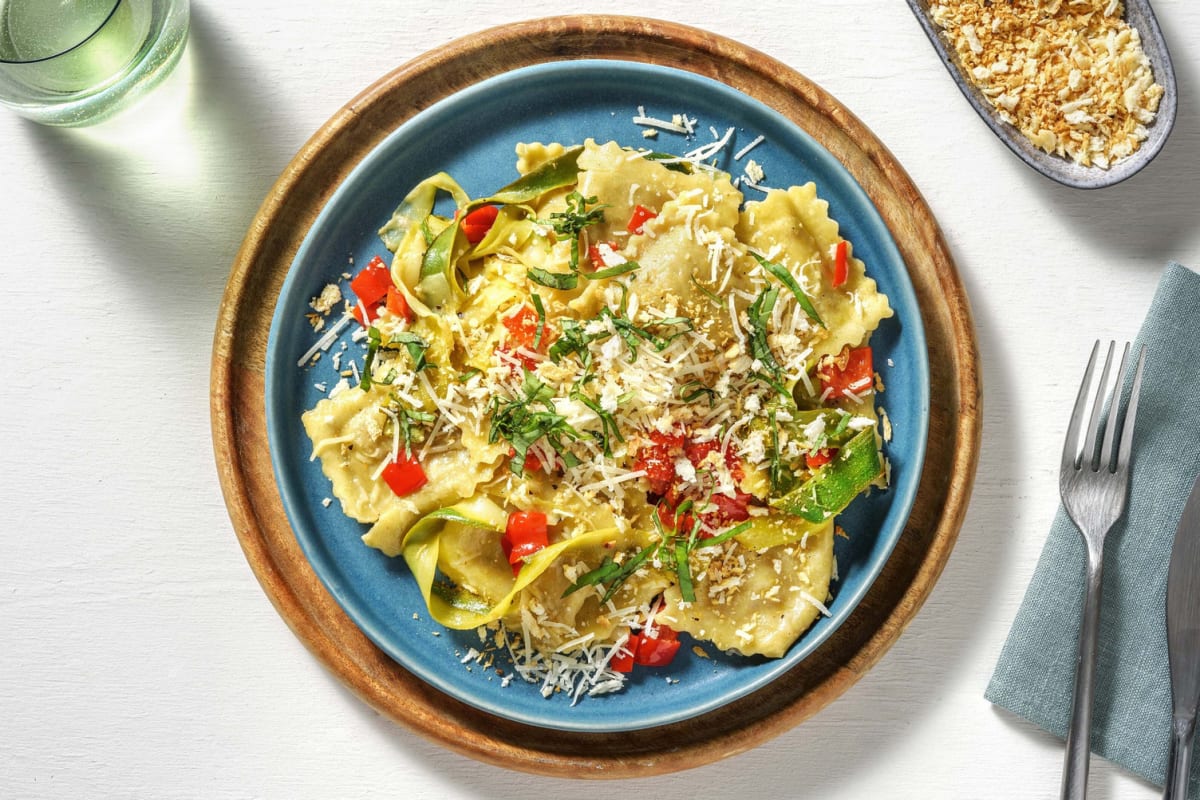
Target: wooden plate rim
239	420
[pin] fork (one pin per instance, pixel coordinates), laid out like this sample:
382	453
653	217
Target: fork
1094	484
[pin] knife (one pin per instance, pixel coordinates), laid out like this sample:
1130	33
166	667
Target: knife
1183	644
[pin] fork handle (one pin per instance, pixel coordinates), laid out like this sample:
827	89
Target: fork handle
1079	735
1183	729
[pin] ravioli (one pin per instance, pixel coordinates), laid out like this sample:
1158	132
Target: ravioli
609	404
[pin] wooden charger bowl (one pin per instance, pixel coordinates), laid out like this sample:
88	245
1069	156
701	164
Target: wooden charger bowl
240	430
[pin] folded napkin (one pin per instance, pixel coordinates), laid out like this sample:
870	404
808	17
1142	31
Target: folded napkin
1035	674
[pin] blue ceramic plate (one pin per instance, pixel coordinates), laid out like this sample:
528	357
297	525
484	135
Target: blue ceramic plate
471	135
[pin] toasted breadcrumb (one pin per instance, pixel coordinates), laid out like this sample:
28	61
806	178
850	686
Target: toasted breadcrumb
329	297
1071	75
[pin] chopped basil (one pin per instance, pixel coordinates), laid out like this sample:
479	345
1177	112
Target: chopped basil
693	390
675	166
608	423
416	347
571	222
467	374
517	421
612	272
759	313
541	323
410	422
563	281
787	280
612	573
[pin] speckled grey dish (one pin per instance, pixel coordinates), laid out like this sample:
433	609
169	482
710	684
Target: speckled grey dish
1139	14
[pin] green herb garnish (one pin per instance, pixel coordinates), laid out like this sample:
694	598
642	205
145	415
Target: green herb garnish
467	374
563	281
608	423
571	222
518	421
374	342
410	421
541	315
787	280
612	573
693	390
416	347
612	272
759	314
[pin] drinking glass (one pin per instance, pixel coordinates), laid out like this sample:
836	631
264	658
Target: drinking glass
77	62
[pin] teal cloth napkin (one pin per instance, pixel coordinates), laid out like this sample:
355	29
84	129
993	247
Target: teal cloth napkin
1035	674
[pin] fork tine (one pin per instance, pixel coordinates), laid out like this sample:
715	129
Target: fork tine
1107	451
1091	458
1071	447
1131	412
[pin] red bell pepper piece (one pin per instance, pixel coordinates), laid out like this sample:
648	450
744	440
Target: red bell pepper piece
398	304
841	264
595	256
857	375
522	327
658	460
669	515
728	509
525	534
371	285
623	660
640	216
405	475
476	225
819	458
522	331
657	652
372	314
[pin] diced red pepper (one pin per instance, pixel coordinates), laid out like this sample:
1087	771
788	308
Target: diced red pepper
476	225
658	460
852	370
371	285
696	452
640	216
657	652
669	516
372	314
728	509
522	327
595	256
398	304
623	661
405	476
522	331
532	462
841	264
819	458
525	534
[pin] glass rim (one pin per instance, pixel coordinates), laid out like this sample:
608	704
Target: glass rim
76	46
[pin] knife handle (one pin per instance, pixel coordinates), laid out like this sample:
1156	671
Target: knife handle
1179	765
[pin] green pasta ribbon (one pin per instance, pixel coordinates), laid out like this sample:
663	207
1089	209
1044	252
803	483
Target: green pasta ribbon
455	607
831	488
438	280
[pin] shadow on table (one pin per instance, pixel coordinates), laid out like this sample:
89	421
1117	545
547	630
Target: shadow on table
169	186
1148	216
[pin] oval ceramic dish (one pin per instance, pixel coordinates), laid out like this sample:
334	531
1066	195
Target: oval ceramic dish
1139	14
325	208
472	136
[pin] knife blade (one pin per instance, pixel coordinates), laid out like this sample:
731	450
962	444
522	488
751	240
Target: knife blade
1183	643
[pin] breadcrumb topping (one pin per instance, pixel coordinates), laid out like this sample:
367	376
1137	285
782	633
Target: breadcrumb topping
1071	75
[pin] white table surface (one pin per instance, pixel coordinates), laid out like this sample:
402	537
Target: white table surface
138	655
